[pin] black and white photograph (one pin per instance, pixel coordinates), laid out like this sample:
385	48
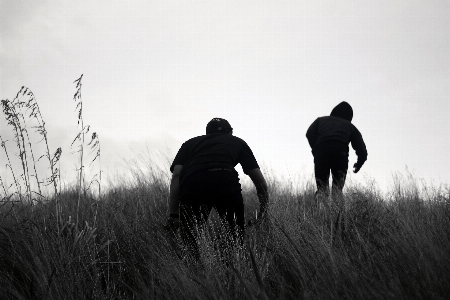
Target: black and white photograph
224	149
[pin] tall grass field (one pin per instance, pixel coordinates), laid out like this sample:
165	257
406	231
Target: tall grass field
82	242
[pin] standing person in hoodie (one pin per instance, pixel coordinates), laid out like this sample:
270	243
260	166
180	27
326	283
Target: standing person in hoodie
329	137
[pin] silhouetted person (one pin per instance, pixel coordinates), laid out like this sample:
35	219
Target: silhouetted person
329	137
203	177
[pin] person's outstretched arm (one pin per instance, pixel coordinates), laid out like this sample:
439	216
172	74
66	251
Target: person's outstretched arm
261	188
360	148
174	204
173	223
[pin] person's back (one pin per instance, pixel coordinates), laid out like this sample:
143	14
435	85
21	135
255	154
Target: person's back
331	128
214	151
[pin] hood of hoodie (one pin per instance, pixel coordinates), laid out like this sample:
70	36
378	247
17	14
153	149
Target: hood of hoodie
343	110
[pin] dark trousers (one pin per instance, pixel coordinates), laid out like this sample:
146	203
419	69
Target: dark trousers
203	191
330	156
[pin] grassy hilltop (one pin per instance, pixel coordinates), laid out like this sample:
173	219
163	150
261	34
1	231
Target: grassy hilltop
119	250
84	243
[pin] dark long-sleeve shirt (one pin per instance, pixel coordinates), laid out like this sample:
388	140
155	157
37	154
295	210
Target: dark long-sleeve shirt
215	150
331	128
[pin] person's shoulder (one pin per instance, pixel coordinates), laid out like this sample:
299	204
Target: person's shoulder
193	139
240	141
321	120
237	139
196	138
324	118
341	120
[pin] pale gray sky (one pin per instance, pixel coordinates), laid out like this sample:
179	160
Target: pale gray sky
155	72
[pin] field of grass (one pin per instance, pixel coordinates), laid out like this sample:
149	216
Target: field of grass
83	243
119	250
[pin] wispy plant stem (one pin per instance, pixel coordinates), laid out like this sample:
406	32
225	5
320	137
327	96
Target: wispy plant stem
12	117
36	114
80	137
32	157
3	144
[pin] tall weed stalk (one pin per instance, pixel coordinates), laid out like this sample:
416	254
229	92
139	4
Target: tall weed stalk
79	138
11	109
35	114
24	110
8	165
94	144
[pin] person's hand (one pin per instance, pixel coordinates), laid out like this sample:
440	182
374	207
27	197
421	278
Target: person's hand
258	220
172	224
356	168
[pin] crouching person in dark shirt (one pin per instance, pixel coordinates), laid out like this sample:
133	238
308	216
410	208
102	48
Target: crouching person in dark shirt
329	138
203	177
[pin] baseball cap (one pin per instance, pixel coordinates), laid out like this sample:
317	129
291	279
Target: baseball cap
218	125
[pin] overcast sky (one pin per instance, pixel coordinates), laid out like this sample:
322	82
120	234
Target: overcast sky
155	72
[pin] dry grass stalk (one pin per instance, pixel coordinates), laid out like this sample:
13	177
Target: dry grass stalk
94	144
19	112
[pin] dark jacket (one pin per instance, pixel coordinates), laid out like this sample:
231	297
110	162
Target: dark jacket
215	150
338	127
